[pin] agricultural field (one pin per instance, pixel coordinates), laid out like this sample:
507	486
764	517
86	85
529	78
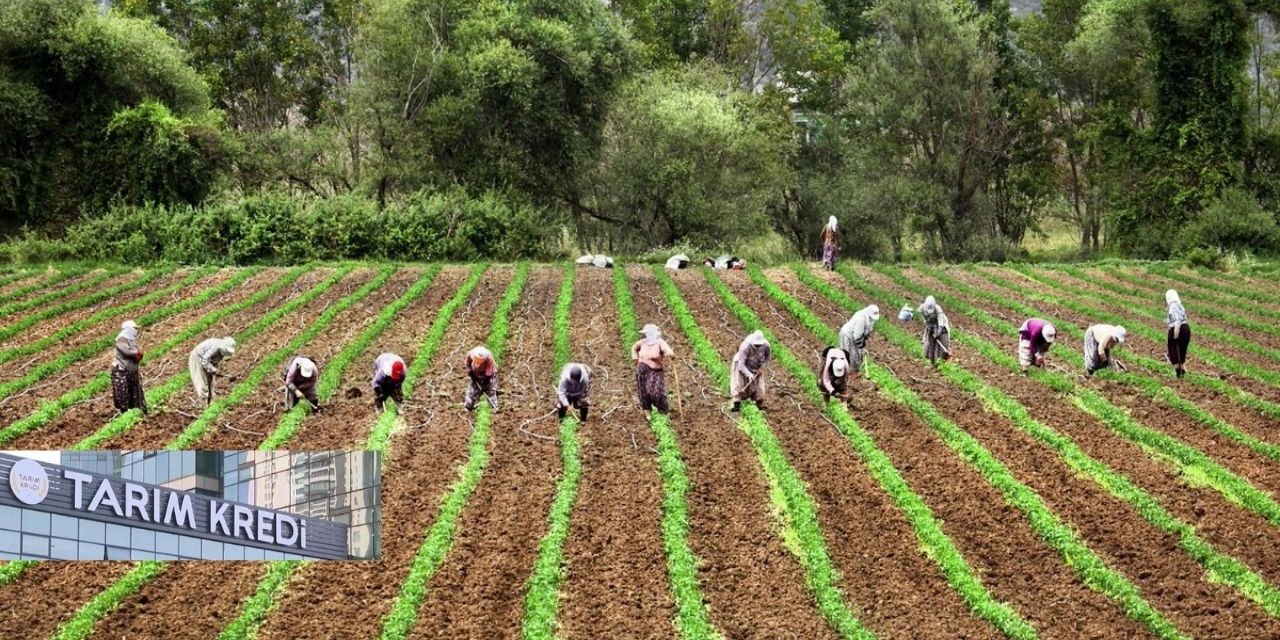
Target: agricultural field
963	501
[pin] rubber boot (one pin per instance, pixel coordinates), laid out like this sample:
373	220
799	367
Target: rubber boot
560	413
737	406
582	414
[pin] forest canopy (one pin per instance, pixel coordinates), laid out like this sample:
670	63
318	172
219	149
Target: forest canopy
466	129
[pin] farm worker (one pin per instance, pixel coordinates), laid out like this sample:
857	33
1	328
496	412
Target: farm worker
835	371
855	333
203	364
1035	336
126	381
649	354
748	362
726	261
483	373
575	386
830	244
388	380
1099	340
300	376
1179	337
602	261
678	261
937	331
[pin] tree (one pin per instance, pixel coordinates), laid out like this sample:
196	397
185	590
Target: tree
928	117
66	71
686	161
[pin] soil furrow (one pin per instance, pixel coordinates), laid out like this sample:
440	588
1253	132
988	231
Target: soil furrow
754	587
617	579
349	600
479	590
1153	560
81	420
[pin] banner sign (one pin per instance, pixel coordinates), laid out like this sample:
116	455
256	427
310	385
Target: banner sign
65	491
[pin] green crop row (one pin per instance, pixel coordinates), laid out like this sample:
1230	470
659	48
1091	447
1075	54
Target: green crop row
14	276
1188	460
1156	312
272	362
692	618
110	312
799	513
50	411
176	382
255	609
82	622
439	539
331	377
1093	571
1214	358
50	367
1241	289
1198	293
1218	566
935	543
19	306
80	303
543	596
1154	367
380	436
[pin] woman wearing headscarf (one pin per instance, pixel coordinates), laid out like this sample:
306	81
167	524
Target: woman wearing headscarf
482	370
300	376
203	363
937	331
1035	336
855	333
126	380
1179	338
748	363
388	381
649	354
835	370
830	245
575	386
1099	340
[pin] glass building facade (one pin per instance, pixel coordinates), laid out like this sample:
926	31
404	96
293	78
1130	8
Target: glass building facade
342	487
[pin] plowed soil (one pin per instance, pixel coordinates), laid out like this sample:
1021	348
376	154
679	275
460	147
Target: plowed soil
616	583
617	580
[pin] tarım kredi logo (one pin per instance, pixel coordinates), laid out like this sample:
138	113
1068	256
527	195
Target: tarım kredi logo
29	482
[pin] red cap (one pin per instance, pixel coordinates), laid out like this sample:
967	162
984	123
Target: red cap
397	370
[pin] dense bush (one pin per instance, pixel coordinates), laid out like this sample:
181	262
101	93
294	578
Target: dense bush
1233	221
276	228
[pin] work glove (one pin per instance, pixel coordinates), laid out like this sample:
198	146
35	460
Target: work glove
137	357
315	408
298	394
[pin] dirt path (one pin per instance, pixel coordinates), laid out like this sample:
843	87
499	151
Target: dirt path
617	579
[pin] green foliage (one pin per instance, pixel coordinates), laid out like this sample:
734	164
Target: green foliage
149	155
439	538
67	71
1235	220
276	228
257	606
799	514
81	624
692	617
684	161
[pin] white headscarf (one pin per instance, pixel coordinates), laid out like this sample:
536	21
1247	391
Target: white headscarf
1048	332
929	304
873	312
831	223
129	330
838	368
231	345
756	338
306	367
1171	297
651	333
1120	334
